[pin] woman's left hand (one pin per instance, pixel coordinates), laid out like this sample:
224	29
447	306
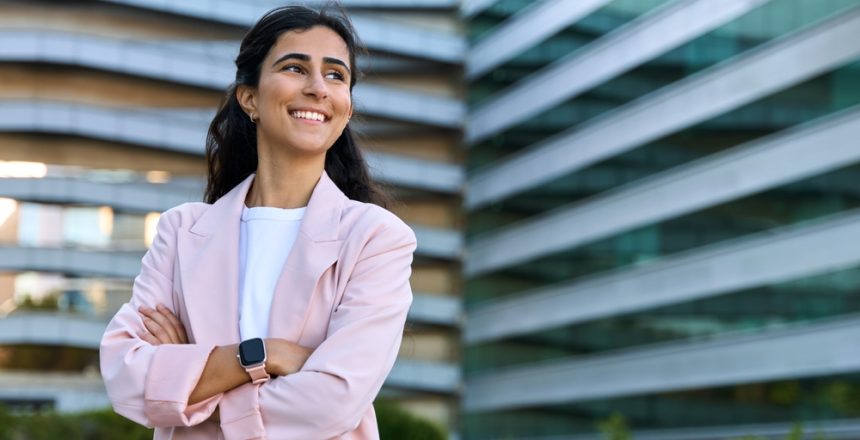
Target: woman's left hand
162	326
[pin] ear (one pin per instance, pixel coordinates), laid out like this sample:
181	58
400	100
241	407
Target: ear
247	98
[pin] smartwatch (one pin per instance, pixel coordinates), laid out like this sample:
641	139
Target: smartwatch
252	357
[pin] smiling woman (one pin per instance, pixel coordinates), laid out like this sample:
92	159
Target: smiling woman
276	308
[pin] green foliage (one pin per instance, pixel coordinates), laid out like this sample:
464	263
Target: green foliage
108	424
47	358
614	428
48	302
6	420
94	425
395	423
843	396
796	432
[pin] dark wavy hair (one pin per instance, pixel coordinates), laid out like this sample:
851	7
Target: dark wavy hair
231	143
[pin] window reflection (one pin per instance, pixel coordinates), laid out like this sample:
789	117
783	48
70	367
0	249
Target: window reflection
19	169
7	210
83	226
37	291
35	224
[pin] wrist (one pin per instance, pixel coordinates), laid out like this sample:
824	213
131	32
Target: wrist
252	358
273	365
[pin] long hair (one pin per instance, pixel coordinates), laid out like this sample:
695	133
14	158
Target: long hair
231	143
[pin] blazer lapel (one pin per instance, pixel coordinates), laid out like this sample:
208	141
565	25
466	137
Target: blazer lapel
208	255
316	248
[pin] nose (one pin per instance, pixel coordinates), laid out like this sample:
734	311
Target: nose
316	86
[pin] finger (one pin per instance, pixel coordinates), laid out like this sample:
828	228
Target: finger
146	336
162	321
165	317
175	322
154	328
157	330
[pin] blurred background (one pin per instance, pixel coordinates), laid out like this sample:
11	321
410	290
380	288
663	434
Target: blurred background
635	218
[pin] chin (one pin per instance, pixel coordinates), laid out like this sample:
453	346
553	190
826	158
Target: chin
315	151
307	146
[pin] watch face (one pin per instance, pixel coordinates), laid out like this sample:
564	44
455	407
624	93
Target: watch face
252	352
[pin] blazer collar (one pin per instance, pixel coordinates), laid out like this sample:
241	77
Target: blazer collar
209	264
320	222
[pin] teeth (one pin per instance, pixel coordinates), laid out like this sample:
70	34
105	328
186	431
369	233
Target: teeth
314	116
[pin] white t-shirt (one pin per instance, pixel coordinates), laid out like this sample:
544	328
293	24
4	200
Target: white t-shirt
267	235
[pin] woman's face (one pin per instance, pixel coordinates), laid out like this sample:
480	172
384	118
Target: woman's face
302	102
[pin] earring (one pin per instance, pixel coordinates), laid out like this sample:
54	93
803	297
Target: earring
253	120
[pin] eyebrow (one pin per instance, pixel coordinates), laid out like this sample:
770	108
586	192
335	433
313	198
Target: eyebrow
305	57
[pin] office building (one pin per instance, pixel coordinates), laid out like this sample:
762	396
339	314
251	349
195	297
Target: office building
104	108
662	218
641	207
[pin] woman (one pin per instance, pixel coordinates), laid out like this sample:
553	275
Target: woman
290	267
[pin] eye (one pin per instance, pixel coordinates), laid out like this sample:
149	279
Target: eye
292	68
334	74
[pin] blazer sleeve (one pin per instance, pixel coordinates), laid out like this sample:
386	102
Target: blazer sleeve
151	384
342	377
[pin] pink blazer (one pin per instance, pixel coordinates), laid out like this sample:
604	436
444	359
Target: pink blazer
344	290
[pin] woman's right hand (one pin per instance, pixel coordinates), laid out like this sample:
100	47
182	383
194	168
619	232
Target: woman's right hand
284	357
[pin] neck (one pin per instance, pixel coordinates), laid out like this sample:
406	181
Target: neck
284	182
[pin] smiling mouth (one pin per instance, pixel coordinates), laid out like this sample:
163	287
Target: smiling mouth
309	116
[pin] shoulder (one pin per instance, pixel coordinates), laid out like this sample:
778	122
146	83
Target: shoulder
182	216
366	222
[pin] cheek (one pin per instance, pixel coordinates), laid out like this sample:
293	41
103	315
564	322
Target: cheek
344	102
275	90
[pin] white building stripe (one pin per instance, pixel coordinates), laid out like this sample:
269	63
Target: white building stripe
124	262
801	351
184	131
527	28
377	34
210	65
471	8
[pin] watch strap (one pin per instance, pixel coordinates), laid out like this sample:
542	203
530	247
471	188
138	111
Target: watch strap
258	373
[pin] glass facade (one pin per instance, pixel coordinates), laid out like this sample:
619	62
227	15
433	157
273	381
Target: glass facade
808	298
772	21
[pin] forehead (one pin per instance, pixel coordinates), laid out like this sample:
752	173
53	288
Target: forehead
318	42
